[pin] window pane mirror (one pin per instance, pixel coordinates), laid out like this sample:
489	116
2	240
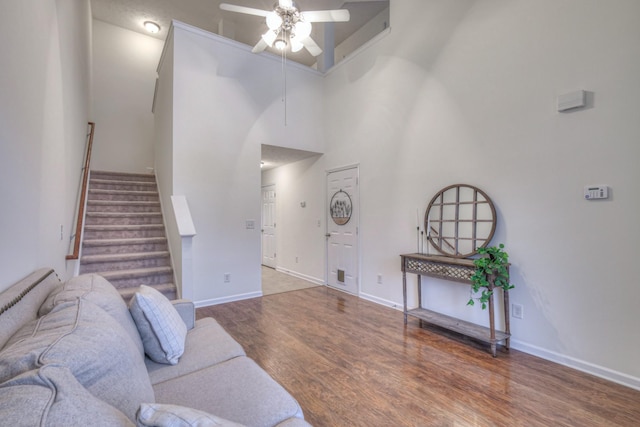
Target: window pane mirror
460	219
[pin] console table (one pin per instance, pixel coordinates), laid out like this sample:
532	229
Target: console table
458	270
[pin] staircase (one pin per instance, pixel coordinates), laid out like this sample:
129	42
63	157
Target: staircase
124	239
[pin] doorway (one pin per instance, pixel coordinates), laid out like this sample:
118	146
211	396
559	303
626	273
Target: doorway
342	229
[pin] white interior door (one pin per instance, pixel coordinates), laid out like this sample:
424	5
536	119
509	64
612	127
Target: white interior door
269	226
342	229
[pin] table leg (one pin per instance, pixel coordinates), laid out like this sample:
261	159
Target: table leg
404	294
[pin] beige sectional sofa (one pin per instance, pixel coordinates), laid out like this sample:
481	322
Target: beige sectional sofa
72	354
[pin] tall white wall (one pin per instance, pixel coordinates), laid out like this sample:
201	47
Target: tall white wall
44	110
465	92
226	103
124	75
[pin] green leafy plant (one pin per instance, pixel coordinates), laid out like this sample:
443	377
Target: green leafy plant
492	266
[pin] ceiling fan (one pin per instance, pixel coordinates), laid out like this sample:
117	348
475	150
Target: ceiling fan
288	25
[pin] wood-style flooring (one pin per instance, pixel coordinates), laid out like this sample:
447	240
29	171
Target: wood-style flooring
350	362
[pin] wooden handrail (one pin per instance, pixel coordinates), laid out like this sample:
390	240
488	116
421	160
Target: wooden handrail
83	194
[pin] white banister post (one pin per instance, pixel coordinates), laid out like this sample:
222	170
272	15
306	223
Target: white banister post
187	231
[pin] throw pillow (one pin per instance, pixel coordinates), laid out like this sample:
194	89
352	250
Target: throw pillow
51	396
161	328
163	415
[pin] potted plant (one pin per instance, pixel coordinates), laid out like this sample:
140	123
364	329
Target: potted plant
491	268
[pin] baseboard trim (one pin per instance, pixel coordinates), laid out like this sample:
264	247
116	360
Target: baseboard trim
381	301
580	365
231	298
301	276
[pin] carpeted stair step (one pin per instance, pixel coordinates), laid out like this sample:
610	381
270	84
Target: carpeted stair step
168	289
123	218
110	184
120	206
122	246
127	261
139	276
123	176
124	195
99	232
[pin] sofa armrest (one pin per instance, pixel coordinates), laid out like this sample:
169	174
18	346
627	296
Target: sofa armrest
187	310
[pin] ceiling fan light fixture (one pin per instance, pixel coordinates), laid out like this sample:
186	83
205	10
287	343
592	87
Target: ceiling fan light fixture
280	44
302	30
274	21
269	37
296	45
286	3
151	26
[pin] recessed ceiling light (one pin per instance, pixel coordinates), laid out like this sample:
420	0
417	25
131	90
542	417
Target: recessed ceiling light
151	26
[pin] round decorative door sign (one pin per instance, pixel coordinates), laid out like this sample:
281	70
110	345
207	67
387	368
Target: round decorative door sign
340	208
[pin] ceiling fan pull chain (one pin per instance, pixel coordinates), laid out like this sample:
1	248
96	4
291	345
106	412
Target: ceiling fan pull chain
284	75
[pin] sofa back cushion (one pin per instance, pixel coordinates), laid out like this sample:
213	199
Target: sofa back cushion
51	396
83	337
20	302
98	290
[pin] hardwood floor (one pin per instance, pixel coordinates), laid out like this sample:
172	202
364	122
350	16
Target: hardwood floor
350	362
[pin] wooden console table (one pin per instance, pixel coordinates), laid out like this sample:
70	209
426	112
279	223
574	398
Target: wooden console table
458	270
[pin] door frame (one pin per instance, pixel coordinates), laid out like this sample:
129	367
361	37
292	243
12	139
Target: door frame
356	217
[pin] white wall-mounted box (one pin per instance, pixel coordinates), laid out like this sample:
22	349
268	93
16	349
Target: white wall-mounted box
571	100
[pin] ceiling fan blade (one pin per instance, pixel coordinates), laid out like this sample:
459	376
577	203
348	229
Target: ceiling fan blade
260	46
242	9
312	46
337	15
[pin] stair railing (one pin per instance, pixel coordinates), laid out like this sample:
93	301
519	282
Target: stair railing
82	195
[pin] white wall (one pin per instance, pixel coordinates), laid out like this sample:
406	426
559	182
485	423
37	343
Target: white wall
465	92
44	110
226	103
124	75
300	230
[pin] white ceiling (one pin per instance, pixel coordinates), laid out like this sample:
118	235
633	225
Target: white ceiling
206	14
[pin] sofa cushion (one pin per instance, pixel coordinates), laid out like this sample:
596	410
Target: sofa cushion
83	337
102	293
161	328
162	415
237	390
51	396
206	344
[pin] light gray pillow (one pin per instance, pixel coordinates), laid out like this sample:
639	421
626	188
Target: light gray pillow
51	396
164	415
161	328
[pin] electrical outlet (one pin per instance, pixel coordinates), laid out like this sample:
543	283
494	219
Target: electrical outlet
517	311
227	277
296	260
379	279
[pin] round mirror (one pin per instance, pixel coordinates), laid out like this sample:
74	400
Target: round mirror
459	220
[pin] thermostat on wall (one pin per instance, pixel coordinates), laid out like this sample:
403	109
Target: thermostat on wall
592	192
